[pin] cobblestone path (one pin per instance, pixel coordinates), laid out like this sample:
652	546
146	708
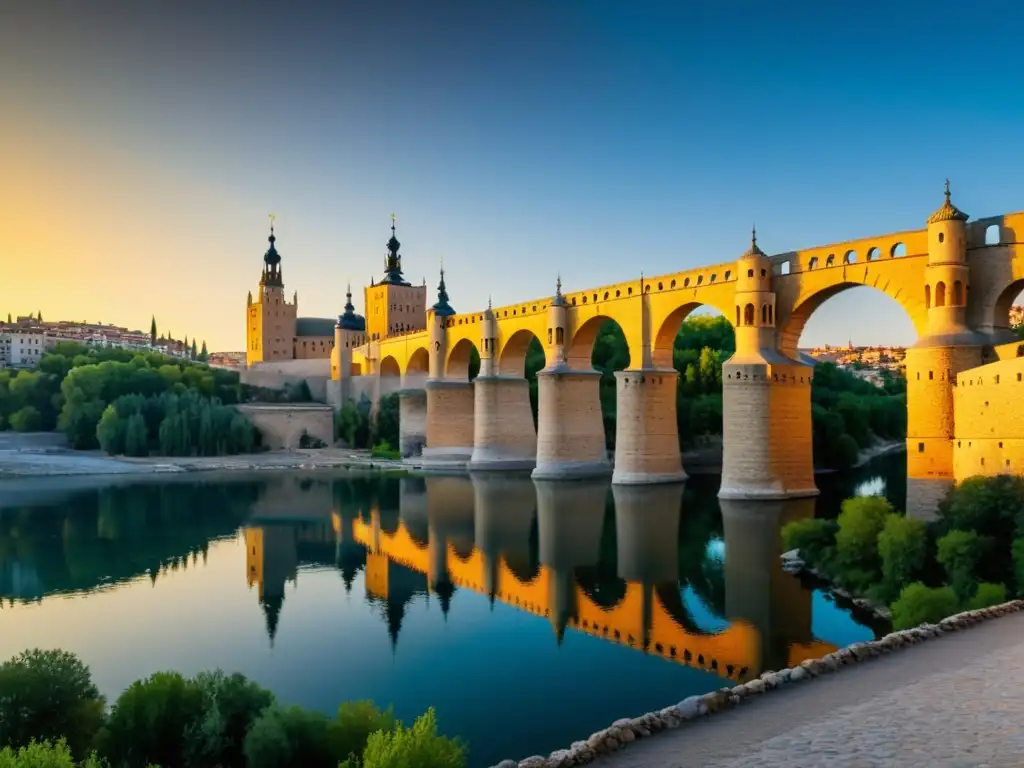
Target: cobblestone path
956	702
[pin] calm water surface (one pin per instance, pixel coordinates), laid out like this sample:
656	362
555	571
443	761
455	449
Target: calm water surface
528	614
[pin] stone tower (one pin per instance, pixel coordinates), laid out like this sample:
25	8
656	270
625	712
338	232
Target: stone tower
393	306
766	397
270	320
947	348
349	333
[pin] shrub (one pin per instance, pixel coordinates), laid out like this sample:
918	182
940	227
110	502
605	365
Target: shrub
918	604
383	450
414	747
860	521
25	420
283	737
152	720
987	595
353	424
902	547
959	553
814	537
48	695
231	704
349	732
43	754
992	507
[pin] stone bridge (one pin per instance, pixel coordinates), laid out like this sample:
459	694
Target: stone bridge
955	279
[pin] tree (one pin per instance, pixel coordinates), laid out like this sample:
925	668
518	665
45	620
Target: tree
285	736
25	419
918	604
959	553
136	438
110	432
204	355
417	746
48	695
902	547
152	331
814	537
39	316
231	704
195	351
860	522
987	595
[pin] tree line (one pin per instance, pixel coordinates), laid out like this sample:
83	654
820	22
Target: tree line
128	402
53	715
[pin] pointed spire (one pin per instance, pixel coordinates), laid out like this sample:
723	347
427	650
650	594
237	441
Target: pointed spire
393	261
754	249
489	305
947	211
442	307
559	299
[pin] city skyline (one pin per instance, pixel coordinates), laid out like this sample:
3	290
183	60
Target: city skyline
518	142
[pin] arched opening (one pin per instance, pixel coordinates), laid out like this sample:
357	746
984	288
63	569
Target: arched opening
813	264
463	361
874	254
600	344
1001	321
695	340
389	367
927	296
419	361
958	294
748	314
992	234
898	251
764	314
940	294
850	257
784	268
858	394
520	352
831	260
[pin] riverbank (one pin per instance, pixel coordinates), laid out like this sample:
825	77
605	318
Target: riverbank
47	455
950	702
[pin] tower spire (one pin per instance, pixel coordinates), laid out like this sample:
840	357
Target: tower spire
442	307
393	260
947	211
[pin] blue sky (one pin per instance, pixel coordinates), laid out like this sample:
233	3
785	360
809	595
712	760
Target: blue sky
147	143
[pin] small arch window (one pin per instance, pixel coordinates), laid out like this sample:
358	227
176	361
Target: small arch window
940	294
958	294
874	254
686	283
784	268
992	234
831	260
606	295
927	296
713	277
850	257
728	274
750	273
629	291
672	284
574	301
764	314
700	279
559	335
942	237
764	272
737	315
748	314
813	264
617	293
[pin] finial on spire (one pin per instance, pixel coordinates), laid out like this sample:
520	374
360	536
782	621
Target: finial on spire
753	235
947	188
393	219
947	211
489	301
558	285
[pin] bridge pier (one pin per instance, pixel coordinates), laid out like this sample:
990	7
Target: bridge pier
570	428
646	430
766	431
647	532
503	433
412	422
449	425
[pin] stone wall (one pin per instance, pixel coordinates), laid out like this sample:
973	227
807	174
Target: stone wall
315	372
989	420
282	424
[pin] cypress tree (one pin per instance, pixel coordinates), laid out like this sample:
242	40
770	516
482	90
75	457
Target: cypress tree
152	331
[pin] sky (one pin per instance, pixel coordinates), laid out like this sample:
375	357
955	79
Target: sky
142	145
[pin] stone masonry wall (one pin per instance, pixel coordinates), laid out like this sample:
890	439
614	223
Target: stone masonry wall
989	420
282	424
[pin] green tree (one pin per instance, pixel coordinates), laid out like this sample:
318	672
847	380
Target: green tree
987	595
414	747
959	553
110	432
1017	551
918	604
814	537
152	331
355	721
43	754
283	737
903	548
204	355
136	439
861	520
152	721
231	704
25	419
194	351
48	695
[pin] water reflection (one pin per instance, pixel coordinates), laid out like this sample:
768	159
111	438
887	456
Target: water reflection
664	589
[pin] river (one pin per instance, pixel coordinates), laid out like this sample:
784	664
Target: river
529	615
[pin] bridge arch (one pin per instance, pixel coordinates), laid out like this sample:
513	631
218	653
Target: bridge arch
419	361
668	329
581	345
460	356
389	366
512	354
910	295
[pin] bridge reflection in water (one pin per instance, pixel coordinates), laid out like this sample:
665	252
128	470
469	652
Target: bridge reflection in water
612	563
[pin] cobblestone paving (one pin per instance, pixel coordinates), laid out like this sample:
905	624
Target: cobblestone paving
953	702
970	717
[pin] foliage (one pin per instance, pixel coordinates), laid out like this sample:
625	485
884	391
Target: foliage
861	520
959	553
48	695
355	722
352	423
307	440
992	507
987	595
289	736
918	604
384	450
26	419
415	747
384	428
1017	551
903	549
231	704
154	721
814	537
44	754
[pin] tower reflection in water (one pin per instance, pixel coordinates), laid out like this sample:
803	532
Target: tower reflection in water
630	565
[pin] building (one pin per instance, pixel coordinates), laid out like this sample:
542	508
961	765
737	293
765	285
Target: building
23	347
276	334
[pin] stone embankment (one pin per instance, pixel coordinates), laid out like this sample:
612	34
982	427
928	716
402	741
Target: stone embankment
692	710
794	564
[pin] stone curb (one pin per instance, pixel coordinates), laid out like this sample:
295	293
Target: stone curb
622	732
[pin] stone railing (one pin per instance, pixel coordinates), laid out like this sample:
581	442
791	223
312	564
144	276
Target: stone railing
625	731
